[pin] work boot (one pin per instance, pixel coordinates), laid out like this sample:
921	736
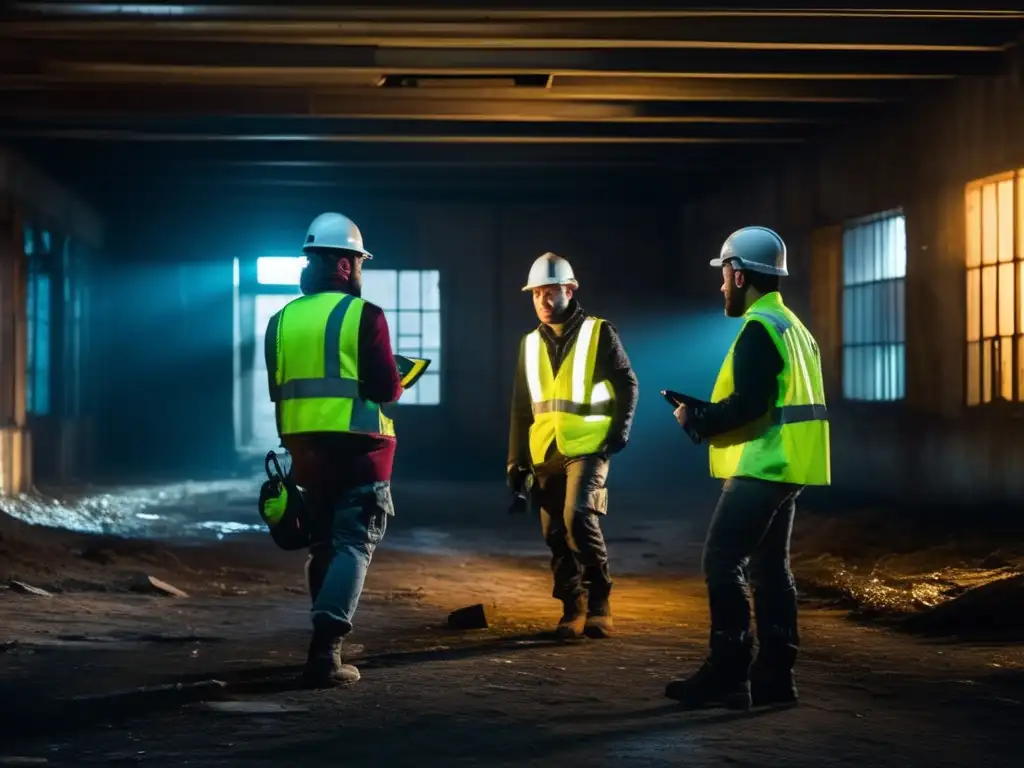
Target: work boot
574	616
771	676
723	680
324	665
599	617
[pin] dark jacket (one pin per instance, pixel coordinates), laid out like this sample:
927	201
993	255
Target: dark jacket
611	364
756	367
329	463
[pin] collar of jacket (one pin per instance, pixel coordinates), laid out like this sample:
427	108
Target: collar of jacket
574	316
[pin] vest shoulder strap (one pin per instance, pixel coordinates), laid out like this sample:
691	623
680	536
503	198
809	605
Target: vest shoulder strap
776	320
331	383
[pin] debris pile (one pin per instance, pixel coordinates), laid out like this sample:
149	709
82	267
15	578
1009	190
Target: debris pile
952	600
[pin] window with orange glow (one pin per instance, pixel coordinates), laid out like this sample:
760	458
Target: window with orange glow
995	276
874	338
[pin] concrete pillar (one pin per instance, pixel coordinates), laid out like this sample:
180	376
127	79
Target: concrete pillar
15	439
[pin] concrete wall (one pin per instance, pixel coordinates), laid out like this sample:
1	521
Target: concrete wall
930	448
166	332
15	439
52	445
166	329
49	201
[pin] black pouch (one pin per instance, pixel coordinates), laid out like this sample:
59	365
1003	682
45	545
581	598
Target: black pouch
283	507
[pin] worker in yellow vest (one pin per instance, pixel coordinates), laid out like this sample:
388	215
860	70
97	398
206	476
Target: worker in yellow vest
573	402
330	366
768	435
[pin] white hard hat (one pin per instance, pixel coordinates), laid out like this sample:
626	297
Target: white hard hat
755	249
550	269
332	230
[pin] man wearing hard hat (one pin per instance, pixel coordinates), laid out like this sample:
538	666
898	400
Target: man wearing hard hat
573	402
768	435
330	366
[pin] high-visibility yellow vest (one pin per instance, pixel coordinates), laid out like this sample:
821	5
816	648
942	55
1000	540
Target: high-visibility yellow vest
312	351
790	444
569	409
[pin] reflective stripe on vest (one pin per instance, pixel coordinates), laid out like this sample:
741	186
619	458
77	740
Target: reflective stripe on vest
569	408
313	347
790	443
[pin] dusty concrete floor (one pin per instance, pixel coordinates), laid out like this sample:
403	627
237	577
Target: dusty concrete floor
507	695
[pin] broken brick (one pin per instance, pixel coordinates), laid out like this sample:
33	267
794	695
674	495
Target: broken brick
470	617
146	584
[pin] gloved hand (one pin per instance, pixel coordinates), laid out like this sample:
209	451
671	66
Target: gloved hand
514	476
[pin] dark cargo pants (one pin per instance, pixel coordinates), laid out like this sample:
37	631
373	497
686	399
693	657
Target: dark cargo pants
749	538
572	497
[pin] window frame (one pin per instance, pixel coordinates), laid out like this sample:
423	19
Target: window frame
1016	267
900	320
395	315
40	264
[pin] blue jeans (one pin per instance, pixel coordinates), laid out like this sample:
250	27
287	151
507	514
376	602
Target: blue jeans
344	539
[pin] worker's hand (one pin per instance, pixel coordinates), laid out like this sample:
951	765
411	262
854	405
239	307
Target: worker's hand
681	415
514	476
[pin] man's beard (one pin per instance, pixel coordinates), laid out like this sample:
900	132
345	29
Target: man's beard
560	309
322	274
312	277
734	302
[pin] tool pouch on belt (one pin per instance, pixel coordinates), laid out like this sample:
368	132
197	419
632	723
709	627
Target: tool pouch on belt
282	507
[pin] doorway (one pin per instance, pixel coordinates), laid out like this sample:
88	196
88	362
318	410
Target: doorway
261	289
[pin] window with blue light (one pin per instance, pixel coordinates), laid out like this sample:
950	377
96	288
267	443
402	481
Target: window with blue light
279	270
874	333
411	299
38	311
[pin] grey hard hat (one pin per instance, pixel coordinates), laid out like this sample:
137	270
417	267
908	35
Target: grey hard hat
755	249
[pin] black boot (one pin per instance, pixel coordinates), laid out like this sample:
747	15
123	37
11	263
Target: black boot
574	616
724	678
599	623
324	665
771	676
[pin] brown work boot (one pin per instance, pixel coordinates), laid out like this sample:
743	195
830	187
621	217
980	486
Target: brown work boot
325	667
599	618
574	616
